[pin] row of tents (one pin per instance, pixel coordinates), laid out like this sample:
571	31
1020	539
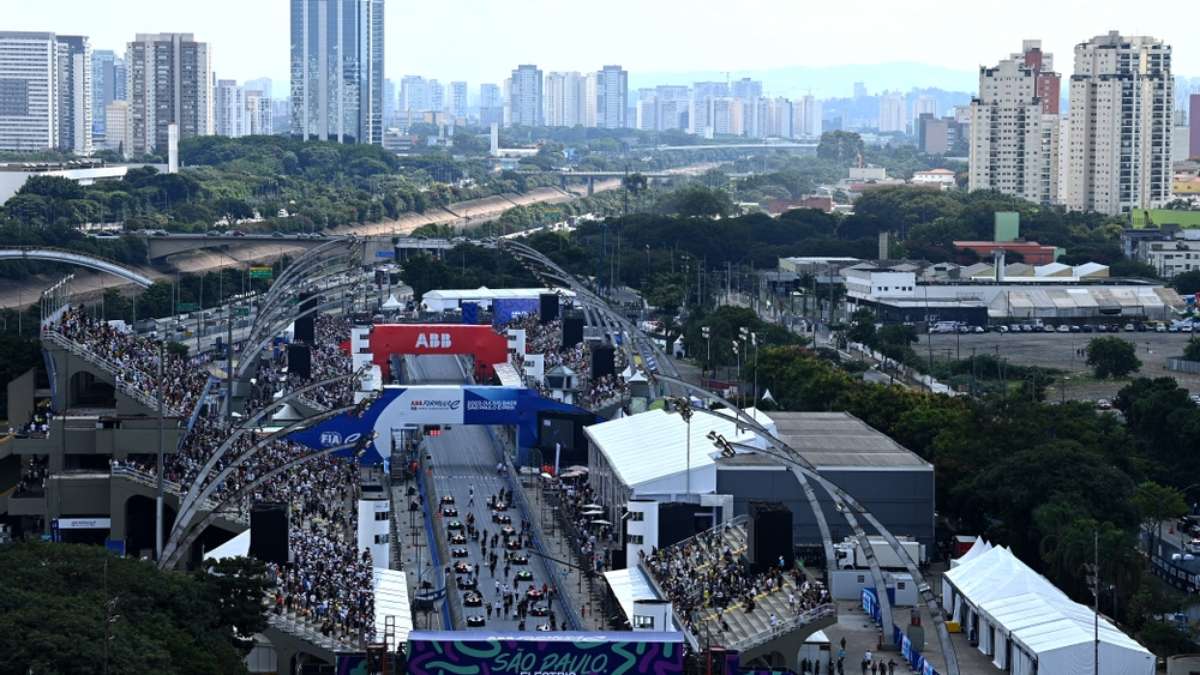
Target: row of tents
1027	625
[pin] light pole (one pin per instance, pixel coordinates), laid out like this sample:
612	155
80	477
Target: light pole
706	332
683	406
158	497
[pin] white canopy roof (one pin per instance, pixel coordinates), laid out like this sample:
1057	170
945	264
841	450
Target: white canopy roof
625	443
391	599
392	303
977	549
1025	608
628	585
238	547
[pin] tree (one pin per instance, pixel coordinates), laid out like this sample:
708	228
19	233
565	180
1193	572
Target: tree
697	201
1191	351
862	328
1112	357
54	611
1187	283
840	146
1156	503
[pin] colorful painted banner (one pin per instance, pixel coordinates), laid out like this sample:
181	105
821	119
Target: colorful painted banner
485	653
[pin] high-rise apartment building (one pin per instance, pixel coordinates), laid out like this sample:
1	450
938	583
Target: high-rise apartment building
262	85
892	116
437	96
778	118
923	105
75	94
565	99
1014	143
807	111
1122	96
491	104
458	99
525	97
228	108
108	85
337	70
45	92
257	119
1049	83
700	113
169	77
612	97
414	94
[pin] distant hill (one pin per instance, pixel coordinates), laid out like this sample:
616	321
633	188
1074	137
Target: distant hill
828	81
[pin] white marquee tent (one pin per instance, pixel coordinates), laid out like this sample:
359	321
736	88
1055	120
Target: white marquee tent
1027	625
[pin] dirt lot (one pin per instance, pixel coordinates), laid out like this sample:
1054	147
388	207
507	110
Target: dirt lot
1058	350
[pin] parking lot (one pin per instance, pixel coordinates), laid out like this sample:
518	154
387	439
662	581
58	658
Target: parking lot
1060	350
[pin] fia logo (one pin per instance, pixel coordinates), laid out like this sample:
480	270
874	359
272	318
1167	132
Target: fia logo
330	438
433	340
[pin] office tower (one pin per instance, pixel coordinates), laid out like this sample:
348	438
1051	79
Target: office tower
458	99
45	92
646	111
612	97
75	94
807	110
525	97
414	94
891	113
389	101
860	90
491	105
1121	100
108	85
228	108
564	99
700	112
118	132
257	118
1194	125
169	82
337	70
748	92
1013	143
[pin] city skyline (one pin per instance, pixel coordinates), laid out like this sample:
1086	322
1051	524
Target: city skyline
651	47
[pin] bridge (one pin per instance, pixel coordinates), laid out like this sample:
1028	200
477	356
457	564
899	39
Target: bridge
564	176
72	258
160	246
795	145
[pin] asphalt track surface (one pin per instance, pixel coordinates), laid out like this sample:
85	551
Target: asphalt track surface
464	460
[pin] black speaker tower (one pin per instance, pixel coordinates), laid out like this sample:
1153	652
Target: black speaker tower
269	532
572	330
299	360
602	361
547	307
769	536
304	329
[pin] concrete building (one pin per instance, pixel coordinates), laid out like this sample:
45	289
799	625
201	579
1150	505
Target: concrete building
1049	82
169	81
83	171
108	85
1120	118
1014	142
892	117
892	482
938	135
257	119
45	92
923	105
700	112
228	108
337	64
565	99
437	96
612	98
1194	125
525	97
414	94
118	132
807	120
458	99
1171	254
75	94
491	105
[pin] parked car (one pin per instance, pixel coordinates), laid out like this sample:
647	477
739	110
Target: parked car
1064	328
1129	328
1086	328
1001	328
1104	404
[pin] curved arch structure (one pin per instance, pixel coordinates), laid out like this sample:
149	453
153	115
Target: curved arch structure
72	258
661	371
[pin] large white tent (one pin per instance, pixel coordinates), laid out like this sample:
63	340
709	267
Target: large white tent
1027	625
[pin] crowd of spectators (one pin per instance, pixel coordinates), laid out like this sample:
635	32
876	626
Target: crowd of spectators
590	541
328	583
706	577
546	339
34	471
327	361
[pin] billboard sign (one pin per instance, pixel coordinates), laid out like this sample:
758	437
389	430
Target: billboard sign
484	653
400	407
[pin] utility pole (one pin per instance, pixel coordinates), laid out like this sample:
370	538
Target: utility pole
1096	611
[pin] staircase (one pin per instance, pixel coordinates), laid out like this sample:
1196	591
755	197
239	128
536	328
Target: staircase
112	369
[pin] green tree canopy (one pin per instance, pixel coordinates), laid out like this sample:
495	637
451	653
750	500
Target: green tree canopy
1112	357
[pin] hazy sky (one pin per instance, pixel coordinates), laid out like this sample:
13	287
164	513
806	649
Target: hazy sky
480	40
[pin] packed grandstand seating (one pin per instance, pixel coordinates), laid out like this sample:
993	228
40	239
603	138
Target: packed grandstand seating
329	584
327	362
715	592
546	338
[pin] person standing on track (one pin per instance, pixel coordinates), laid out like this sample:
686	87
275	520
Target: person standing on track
471	496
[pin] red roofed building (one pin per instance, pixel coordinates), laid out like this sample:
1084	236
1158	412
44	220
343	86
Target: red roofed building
1032	253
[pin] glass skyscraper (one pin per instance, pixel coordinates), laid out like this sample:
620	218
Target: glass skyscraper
337	70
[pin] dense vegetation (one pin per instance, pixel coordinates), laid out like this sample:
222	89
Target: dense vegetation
59	599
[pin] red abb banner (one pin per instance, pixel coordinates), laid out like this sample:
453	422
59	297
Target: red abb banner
488	347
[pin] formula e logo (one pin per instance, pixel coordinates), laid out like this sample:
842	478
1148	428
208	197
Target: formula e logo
330	439
433	340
